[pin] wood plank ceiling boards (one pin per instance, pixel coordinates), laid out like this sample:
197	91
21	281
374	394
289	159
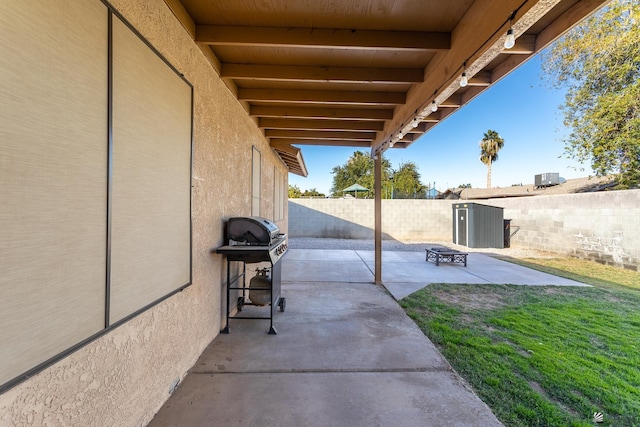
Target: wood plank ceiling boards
365	73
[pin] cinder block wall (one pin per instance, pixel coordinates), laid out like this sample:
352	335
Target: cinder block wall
599	226
353	219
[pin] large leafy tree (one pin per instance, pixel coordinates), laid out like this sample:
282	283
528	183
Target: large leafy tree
359	169
294	192
599	64
406	182
312	193
490	144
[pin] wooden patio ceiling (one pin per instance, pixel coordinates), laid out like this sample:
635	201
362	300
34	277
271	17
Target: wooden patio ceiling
365	73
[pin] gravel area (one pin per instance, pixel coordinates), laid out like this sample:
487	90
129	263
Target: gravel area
398	246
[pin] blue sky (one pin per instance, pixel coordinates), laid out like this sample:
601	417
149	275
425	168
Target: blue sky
522	108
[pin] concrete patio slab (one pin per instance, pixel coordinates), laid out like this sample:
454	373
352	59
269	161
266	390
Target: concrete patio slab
323	255
329	399
345	355
326	271
411	267
406	272
325	326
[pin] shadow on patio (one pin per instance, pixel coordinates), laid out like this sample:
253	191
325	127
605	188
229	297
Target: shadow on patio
345	353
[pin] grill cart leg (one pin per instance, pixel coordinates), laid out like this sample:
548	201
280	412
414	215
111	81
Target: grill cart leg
225	330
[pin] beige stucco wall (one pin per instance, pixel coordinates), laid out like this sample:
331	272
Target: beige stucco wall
123	377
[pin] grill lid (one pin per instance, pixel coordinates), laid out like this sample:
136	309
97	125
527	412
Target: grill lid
251	230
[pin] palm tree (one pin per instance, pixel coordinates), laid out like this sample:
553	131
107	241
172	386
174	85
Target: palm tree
490	144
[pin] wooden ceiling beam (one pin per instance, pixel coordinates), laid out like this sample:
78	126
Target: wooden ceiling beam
558	27
525	45
320	113
453	101
471	93
336	143
321	96
312	124
432	118
325	38
424	125
317	134
292	157
444	114
478	40
508	65
410	137
285	147
482	78
529	44
321	74
429	126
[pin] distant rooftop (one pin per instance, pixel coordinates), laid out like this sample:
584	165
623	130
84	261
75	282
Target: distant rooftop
578	185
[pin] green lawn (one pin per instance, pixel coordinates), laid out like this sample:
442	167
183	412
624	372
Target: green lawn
543	355
585	271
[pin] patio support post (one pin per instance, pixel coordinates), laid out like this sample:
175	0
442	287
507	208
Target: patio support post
377	186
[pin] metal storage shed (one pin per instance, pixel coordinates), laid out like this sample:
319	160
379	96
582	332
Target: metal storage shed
478	226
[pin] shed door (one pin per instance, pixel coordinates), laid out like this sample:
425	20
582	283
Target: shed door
461	226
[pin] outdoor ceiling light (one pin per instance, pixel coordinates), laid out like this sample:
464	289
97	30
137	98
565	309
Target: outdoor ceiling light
415	122
510	41
393	142
395	139
434	106
463	80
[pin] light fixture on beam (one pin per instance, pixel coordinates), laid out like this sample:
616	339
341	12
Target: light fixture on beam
510	41
392	142
463	79
434	106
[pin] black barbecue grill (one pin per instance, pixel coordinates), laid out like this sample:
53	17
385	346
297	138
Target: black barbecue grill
251	230
253	240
